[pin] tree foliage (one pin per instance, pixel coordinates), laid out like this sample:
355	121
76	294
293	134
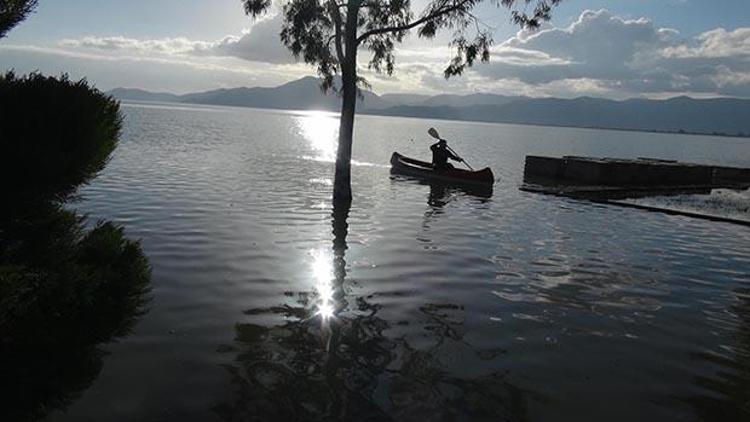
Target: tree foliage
55	135
64	289
328	33
12	12
63	292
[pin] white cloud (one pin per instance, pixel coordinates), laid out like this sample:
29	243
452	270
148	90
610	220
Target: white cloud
524	57
160	46
599	54
717	43
598	45
629	56
178	61
260	43
174	73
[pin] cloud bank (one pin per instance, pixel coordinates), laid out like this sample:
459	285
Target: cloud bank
627	57
260	43
599	54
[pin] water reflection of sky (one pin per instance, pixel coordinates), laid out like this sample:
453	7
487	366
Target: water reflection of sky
634	311
320	130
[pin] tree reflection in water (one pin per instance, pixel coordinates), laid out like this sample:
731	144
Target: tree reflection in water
727	396
346	367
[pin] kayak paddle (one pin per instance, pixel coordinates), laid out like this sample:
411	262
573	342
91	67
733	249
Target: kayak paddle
434	133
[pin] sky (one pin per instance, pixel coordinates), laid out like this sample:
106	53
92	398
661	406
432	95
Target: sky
612	49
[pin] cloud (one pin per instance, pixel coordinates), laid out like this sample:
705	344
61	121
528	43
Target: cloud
253	58
598	45
599	54
174	73
160	46
630	56
717	43
186	62
260	43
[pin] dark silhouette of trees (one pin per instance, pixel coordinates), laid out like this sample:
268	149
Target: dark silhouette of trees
330	33
56	136
64	290
12	12
63	293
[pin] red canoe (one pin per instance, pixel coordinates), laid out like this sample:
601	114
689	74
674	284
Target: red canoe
409	166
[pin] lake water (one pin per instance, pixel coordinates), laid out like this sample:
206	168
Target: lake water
420	302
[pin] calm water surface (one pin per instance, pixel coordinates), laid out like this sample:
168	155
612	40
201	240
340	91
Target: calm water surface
419	302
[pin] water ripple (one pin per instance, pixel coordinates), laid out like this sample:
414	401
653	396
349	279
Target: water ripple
536	307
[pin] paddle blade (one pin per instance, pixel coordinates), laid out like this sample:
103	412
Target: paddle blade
434	133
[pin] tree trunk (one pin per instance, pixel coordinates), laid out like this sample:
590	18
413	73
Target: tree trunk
342	187
342	184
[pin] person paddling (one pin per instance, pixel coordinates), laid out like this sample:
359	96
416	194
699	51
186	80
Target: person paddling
440	155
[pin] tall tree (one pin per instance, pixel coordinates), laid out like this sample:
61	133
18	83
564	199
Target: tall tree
12	12
330	33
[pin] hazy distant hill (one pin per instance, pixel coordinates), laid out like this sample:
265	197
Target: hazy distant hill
405	99
141	95
468	100
449	100
716	115
302	94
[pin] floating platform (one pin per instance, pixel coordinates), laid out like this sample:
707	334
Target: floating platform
610	180
599	178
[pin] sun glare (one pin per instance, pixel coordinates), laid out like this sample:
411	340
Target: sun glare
322	276
320	130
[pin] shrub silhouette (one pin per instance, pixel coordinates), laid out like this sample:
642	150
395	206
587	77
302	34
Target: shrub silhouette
55	135
64	290
58	307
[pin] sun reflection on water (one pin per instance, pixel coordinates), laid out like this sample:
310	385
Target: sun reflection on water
320	129
322	276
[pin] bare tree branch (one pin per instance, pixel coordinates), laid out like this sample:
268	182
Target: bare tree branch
337	31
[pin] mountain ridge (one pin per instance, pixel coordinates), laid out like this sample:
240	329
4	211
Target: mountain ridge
681	114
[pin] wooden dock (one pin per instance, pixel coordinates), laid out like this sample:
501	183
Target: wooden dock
607	178
610	180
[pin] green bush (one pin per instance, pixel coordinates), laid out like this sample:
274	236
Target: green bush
95	280
55	135
64	290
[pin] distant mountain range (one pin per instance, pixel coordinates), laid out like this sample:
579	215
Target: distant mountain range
725	116
302	94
